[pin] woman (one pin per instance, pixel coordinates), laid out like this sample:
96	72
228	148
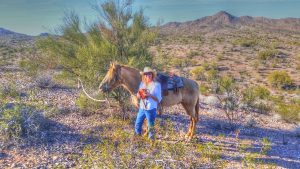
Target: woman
150	95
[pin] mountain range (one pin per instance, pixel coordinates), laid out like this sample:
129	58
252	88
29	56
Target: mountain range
224	20
221	20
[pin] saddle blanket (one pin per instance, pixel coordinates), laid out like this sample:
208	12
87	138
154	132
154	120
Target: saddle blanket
168	82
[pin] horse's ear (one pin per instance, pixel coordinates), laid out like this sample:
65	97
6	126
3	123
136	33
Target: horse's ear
112	65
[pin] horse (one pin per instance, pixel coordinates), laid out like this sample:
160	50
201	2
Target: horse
130	78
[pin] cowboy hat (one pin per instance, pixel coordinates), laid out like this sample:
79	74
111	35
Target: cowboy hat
148	70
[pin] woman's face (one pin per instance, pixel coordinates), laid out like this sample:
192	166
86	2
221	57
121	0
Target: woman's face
148	77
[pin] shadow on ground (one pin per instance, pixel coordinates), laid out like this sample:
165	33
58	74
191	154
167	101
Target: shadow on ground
285	146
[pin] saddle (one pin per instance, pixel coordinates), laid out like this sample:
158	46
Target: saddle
169	83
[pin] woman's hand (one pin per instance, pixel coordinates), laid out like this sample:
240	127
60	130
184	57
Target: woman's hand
138	95
147	94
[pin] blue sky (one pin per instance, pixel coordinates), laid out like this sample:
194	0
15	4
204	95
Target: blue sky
35	16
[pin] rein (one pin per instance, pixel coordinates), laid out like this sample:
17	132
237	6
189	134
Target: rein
84	91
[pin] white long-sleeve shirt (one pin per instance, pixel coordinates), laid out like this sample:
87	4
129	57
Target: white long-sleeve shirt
154	89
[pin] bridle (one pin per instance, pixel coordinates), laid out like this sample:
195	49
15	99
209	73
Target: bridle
117	78
84	91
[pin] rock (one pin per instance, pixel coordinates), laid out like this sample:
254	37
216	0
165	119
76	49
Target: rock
210	100
276	117
250	122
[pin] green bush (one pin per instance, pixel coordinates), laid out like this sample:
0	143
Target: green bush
257	97
192	54
181	62
245	42
18	121
279	79
212	74
288	111
252	93
208	66
198	73
8	91
44	81
86	105
29	66
204	89
268	54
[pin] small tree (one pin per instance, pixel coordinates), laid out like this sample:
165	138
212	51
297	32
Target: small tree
121	36
230	99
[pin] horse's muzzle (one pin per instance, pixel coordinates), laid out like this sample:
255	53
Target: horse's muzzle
103	88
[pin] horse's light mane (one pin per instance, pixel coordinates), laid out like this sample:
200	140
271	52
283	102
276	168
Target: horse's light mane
110	72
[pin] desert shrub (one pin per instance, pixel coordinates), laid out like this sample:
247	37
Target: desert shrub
198	73
219	56
3	62
18	121
294	43
209	151
257	98
230	99
192	54
181	63
86	105
162	60
245	42
212	74
208	72
298	60
268	54
204	89
29	66
8	91
60	78
266	146
208	66
44	81
279	79
288	111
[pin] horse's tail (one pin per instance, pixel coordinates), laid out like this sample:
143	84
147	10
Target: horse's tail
197	109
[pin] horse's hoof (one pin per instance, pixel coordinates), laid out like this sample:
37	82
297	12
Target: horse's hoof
187	135
188	139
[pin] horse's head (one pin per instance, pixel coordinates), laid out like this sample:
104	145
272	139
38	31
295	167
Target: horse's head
112	78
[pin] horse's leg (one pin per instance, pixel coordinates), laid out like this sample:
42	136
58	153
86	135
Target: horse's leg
159	109
193	128
195	119
190	129
189	111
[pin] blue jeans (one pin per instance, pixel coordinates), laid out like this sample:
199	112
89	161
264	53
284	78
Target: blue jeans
150	115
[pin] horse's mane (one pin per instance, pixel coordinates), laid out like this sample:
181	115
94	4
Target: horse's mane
118	65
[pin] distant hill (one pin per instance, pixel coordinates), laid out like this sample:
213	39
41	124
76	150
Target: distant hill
224	20
6	32
13	39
